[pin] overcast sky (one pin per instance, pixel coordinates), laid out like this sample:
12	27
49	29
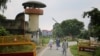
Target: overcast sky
58	9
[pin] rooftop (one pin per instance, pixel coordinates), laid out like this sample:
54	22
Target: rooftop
35	4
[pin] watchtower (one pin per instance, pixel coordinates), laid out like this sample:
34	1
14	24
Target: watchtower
32	8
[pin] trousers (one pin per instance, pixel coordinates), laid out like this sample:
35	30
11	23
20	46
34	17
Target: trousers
64	52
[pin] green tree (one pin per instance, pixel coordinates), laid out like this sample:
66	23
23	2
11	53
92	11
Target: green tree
57	31
72	27
94	25
3	5
84	34
2	19
3	31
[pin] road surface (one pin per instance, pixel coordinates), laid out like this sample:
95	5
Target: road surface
53	52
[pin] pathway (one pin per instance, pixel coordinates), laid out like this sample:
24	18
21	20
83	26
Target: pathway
54	52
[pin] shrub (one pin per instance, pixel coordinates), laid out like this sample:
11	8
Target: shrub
97	52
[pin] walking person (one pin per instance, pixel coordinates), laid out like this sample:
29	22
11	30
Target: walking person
50	43
57	43
64	47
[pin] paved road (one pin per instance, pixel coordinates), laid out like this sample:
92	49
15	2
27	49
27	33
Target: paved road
53	52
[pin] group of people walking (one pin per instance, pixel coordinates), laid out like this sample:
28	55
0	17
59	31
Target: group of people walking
64	45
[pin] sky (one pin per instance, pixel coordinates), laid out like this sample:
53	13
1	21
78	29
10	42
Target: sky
60	10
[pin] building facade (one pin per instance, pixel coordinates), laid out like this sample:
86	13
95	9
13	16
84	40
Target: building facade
46	33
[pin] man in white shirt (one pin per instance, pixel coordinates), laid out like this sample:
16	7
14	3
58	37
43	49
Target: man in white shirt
64	47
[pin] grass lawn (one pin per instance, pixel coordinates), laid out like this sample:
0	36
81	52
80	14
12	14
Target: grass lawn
44	40
75	52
